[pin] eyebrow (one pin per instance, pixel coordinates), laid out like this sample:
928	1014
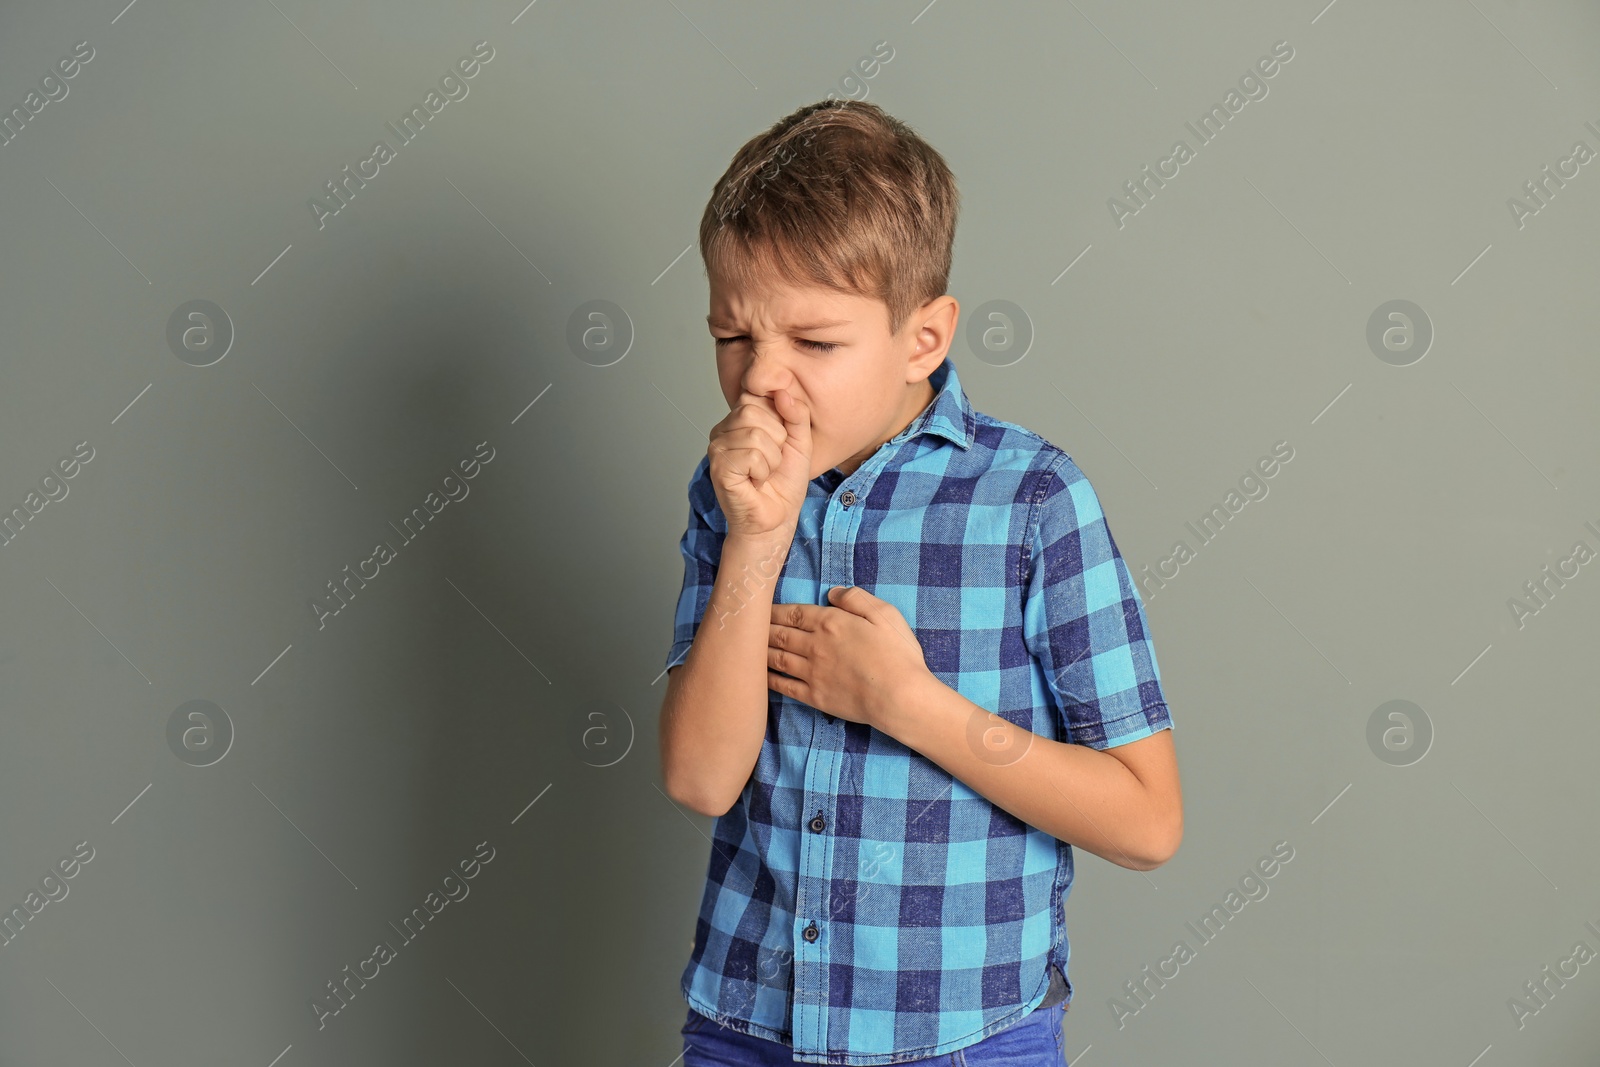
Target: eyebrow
720	324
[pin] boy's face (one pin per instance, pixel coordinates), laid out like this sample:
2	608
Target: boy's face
862	391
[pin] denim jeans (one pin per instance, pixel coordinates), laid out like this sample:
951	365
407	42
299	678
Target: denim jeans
1035	1040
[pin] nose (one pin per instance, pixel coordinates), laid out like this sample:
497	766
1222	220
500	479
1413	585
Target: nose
765	371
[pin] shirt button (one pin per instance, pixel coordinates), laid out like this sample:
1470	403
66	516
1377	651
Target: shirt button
810	933
847	497
818	823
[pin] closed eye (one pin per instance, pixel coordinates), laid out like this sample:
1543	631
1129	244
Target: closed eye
816	346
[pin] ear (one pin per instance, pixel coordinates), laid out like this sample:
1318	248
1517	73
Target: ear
935	326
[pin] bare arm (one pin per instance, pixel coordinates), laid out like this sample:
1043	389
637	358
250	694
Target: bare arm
714	714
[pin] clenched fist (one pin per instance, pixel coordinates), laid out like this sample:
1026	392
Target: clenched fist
761	463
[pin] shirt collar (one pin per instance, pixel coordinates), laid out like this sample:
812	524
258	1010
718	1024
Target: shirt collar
949	414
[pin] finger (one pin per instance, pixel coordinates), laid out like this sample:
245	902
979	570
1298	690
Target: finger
787	686
858	601
779	660
788	639
758	427
796	419
799	616
749	463
752	437
760	410
751	432
854	599
757	439
760	467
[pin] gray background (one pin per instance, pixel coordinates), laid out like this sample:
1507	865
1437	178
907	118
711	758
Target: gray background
518	643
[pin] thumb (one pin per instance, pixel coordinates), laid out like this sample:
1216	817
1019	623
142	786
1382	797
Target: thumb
856	600
796	420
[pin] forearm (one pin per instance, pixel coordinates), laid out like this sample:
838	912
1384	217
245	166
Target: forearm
1083	796
715	717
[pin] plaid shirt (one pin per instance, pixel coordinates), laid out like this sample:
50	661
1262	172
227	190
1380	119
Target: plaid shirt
861	904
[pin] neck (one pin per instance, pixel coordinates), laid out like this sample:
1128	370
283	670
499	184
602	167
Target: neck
917	401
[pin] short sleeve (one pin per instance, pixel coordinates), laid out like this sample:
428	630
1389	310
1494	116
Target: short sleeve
1084	622
701	546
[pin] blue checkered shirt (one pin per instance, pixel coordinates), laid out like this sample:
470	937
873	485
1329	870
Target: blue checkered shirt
861	904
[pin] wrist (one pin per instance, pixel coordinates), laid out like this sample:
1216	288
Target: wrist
772	545
908	707
750	566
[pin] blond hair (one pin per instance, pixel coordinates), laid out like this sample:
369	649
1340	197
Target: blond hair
841	195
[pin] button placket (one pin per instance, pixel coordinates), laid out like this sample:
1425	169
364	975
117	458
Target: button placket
809	963
846	500
809	973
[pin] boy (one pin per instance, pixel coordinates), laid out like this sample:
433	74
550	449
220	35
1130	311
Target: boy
905	715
